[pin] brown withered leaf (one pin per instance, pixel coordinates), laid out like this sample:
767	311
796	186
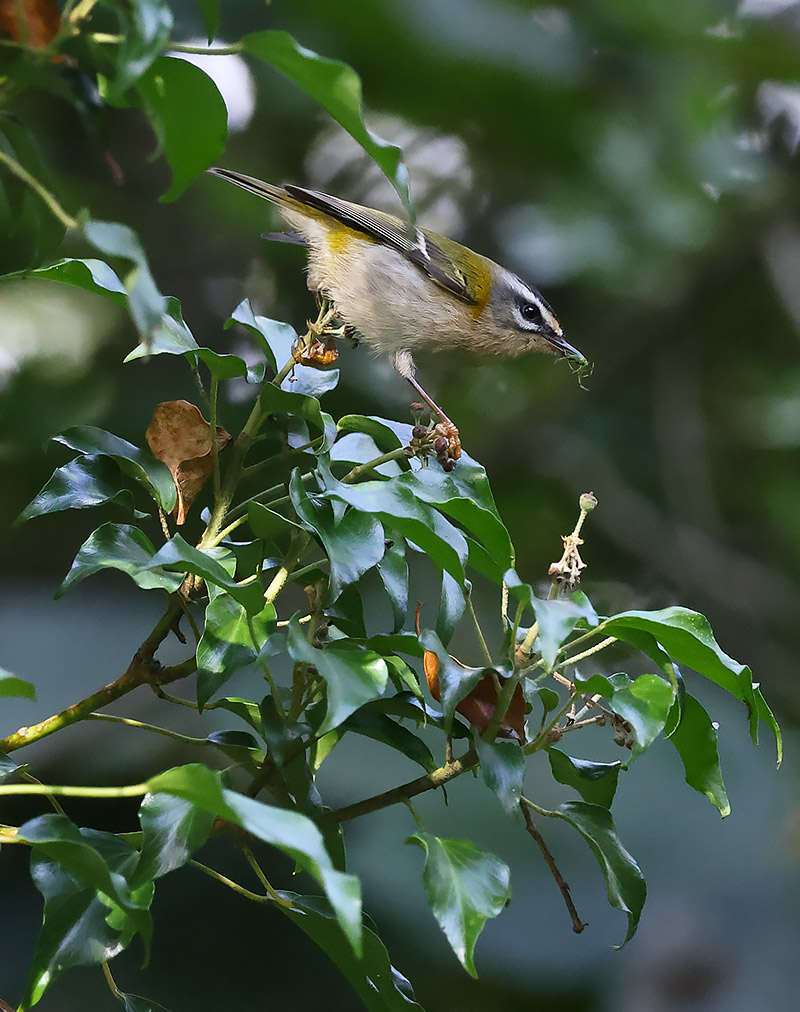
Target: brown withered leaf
478	706
180	437
39	23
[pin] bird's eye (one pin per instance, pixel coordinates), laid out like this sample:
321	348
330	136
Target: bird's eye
531	312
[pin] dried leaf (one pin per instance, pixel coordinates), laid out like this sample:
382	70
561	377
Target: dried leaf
179	436
39	24
478	706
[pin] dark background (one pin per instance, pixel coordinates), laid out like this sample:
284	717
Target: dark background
636	161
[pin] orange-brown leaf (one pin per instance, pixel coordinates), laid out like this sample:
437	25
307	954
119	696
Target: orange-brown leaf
180	437
39	23
478	706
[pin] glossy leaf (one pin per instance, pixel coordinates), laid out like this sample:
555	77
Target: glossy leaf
244	708
502	769
10	685
465	886
687	637
645	704
695	740
385	438
452	605
337	88
393	571
287	402
210	9
171	336
380	727
378	984
230	641
122	547
353	675
82	483
189	117
273	338
557	619
89	274
401	510
140	465
179	555
625	883
70	867
353	544
172	830
455	681
146	303
7	767
147	27
439	489
595	782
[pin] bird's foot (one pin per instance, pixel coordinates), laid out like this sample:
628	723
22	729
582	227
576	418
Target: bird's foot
316	353
447	444
440	440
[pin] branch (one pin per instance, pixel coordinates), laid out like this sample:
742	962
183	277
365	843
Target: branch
142	670
438	778
577	924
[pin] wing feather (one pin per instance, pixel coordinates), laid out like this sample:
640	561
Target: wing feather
417	245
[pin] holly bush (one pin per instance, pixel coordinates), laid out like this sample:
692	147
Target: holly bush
284	550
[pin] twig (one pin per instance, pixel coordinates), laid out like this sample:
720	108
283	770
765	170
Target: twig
185	738
478	631
58	211
438	778
577	924
370	465
141	671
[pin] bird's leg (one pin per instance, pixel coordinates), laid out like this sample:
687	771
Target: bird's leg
446	426
451	449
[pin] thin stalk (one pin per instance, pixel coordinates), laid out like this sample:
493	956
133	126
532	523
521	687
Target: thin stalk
112	984
212	429
74	791
178	47
165	731
219	877
577	924
478	631
297	547
588	653
57	210
262	878
370	465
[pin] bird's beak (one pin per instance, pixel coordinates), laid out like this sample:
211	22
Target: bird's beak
561	346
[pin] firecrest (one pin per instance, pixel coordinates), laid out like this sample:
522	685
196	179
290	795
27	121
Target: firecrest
404	289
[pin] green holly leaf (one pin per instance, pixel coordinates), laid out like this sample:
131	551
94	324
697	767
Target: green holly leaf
695	741
645	704
625	883
337	88
503	769
465	886
353	674
595	782
122	547
188	115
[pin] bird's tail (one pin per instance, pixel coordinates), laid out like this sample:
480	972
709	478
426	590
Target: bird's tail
275	194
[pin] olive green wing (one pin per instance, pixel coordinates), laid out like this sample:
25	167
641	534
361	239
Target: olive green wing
421	247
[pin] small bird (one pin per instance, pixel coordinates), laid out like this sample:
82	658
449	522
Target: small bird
404	289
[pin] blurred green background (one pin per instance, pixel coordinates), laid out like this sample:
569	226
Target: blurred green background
636	161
